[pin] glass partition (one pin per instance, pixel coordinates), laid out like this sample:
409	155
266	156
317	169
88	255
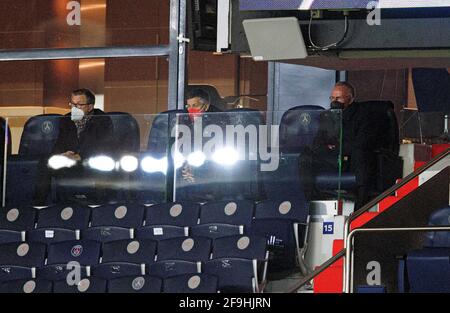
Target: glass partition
175	156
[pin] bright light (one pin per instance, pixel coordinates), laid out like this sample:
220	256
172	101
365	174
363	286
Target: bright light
129	163
57	162
102	163
178	159
152	165
196	159
226	156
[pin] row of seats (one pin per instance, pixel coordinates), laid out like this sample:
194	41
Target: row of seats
235	260
187	283
282	223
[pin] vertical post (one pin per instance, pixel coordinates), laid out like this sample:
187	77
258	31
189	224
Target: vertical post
5	160
177	57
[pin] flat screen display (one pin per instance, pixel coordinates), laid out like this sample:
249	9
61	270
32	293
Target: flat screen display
339	4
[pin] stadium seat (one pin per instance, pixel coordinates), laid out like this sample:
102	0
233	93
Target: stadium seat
243	247
235	275
135	284
26	286
37	141
122	215
191	283
19	260
215	230
19	219
298	127
228	212
9	236
185	249
177	214
165	269
52	235
107	233
125	258
69	216
85	285
62	255
126	132
428	269
161	232
283	224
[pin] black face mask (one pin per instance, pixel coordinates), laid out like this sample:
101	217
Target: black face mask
336	105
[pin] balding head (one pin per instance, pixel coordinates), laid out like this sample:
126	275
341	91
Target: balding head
344	93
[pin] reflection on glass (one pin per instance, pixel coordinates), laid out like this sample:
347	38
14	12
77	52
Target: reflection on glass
196	159
58	162
129	163
226	156
152	165
102	163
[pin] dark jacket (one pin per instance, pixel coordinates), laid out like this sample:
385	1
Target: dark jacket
96	138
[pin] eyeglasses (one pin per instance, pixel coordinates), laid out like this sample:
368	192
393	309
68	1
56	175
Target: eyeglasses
71	104
337	98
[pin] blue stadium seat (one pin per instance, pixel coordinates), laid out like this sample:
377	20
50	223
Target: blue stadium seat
439	217
9	236
122	215
85	285
165	269
38	139
191	283
371	289
126	132
298	127
69	216
39	135
177	214
235	275
228	212
52	235
135	284
184	248
26	286
428	269
85	253
125	258
107	233
19	219
244	247
215	230
283	224
161	232
17	260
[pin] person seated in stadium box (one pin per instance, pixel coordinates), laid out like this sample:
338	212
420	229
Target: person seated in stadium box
83	133
362	136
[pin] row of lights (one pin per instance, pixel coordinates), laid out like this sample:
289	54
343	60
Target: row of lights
225	156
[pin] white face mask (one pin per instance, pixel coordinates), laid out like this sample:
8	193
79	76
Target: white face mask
77	114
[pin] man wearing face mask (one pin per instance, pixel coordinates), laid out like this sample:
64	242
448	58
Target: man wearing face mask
84	132
361	137
198	102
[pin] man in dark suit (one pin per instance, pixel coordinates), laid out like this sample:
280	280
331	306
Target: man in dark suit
83	133
363	127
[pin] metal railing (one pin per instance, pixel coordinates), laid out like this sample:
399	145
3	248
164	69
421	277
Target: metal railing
361	211
348	265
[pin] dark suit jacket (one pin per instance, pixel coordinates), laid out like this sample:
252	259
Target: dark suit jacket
96	138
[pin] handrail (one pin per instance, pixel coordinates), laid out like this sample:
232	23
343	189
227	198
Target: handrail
363	210
397	186
317	271
348	279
